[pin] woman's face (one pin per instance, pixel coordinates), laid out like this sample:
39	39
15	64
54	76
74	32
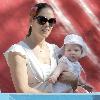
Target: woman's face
40	25
73	51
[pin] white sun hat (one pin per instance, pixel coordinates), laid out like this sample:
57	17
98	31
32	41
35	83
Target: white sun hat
76	39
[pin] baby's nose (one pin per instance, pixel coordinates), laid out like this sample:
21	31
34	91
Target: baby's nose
73	52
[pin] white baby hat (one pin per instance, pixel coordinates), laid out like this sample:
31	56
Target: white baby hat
76	39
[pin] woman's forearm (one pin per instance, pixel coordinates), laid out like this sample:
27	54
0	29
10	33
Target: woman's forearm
68	77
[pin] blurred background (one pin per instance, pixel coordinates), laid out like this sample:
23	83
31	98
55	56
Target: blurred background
78	16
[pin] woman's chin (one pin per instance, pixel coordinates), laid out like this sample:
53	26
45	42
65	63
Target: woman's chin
44	34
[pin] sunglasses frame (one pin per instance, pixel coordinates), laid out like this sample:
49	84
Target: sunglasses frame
43	20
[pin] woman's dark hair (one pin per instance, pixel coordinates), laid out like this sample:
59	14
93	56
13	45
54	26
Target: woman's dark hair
41	6
38	7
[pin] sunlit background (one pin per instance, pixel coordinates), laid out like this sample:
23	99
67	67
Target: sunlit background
78	16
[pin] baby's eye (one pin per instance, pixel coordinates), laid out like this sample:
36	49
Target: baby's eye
68	50
76	50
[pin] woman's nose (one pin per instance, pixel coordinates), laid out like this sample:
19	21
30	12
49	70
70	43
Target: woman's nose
47	24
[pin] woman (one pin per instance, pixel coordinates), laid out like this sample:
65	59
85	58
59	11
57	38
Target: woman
33	60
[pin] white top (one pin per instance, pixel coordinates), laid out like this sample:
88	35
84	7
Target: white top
37	73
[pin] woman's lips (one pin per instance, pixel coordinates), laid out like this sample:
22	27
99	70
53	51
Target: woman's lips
45	30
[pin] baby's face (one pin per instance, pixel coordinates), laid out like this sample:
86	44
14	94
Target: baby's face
73	51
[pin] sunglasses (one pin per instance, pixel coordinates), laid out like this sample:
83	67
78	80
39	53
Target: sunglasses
42	20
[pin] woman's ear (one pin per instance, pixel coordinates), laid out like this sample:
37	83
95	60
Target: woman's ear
30	20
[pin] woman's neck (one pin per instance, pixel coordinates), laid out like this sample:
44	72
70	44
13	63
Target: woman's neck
33	42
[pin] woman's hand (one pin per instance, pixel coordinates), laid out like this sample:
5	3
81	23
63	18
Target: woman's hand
68	77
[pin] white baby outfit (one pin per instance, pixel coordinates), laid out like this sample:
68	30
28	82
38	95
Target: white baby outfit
73	67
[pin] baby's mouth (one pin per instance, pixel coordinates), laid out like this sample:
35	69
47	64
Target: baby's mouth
72	58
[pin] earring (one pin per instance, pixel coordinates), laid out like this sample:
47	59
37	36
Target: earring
30	31
30	28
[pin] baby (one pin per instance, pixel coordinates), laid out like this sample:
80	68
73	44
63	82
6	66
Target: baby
74	48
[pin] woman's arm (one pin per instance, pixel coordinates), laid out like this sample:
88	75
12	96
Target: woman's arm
19	75
68	77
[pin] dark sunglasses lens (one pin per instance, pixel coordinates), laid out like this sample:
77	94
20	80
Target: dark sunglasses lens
52	21
41	20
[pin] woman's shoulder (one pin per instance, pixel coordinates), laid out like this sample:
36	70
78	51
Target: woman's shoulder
16	48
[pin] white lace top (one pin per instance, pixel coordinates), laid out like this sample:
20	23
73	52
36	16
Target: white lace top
37	73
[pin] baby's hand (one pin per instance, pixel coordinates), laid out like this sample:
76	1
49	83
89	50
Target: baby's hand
52	79
88	88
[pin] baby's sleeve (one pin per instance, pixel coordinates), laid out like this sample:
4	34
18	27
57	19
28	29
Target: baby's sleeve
62	60
17	49
56	51
64	63
56	48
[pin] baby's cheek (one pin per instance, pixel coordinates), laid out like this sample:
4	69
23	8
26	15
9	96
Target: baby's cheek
66	53
79	56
